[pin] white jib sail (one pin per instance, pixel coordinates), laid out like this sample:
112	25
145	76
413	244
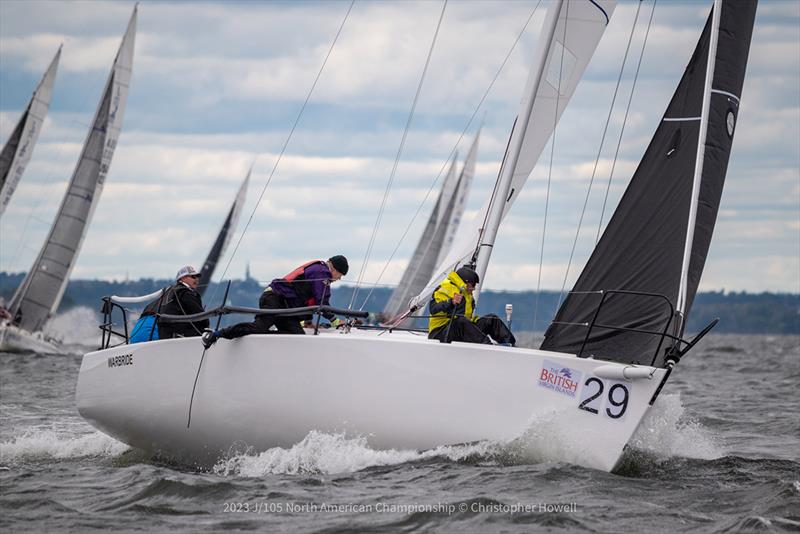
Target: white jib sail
570	35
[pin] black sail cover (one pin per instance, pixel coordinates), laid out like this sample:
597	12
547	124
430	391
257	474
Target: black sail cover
642	247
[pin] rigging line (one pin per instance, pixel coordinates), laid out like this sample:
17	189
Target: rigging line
392	175
286	143
460	137
624	122
550	168
599	152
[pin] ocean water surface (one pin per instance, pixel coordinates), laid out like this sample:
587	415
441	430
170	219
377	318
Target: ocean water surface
719	452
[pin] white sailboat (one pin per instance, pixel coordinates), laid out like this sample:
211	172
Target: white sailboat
40	293
18	149
403	391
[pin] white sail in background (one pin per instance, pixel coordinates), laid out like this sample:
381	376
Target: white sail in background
459	201
570	35
439	233
40	293
423	260
18	149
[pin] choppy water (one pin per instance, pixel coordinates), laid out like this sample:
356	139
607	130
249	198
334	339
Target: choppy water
719	452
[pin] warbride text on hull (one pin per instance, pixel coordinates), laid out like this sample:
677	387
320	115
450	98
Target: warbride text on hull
403	391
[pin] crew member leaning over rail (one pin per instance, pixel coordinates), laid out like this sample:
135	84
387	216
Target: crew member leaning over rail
308	285
452	313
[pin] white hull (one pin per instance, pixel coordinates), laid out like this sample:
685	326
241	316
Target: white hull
13	339
398	390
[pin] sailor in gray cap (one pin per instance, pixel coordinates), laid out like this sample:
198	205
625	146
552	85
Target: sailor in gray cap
182	299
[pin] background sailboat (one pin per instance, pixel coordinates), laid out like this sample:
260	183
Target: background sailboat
437	237
224	236
40	293
18	149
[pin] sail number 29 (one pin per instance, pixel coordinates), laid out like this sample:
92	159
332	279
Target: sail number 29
613	404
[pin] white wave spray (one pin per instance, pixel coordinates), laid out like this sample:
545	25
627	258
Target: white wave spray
77	326
667	431
36	444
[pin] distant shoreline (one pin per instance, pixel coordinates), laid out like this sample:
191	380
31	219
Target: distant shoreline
739	312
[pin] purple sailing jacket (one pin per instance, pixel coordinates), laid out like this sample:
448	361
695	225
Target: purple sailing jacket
308	285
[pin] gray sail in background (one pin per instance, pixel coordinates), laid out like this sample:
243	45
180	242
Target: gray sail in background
427	250
680	179
459	203
40	292
439	233
224	236
18	149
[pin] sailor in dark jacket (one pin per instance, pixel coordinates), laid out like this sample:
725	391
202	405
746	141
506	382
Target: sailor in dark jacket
308	285
182	299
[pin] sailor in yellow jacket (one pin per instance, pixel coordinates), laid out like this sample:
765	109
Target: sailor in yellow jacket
452	313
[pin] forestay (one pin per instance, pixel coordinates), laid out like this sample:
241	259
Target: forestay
570	35
679	181
18	149
40	293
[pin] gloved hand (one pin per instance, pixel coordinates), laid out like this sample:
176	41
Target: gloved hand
337	323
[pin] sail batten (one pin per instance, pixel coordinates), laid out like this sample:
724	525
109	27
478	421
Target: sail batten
43	287
658	238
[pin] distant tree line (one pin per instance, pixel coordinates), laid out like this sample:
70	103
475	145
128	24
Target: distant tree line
739	312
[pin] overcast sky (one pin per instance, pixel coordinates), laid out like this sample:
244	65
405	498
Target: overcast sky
218	85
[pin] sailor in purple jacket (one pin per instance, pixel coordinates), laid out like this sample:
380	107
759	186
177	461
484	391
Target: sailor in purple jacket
308	285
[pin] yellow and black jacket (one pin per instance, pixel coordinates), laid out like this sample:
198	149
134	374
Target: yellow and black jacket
441	304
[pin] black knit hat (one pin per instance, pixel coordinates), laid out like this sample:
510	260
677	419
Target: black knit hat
340	264
468	275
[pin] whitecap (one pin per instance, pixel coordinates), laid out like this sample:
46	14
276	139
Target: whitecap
668	431
44	444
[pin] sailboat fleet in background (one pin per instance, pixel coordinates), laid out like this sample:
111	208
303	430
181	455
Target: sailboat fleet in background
40	293
437	237
584	392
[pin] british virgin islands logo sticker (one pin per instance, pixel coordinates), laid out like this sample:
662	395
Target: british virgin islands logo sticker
559	378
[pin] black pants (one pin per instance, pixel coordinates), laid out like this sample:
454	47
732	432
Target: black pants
462	329
269	300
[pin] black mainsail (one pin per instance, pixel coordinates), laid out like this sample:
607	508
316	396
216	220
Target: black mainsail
657	240
224	236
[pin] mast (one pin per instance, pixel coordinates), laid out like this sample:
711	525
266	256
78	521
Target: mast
18	149
681	304
40	293
501	193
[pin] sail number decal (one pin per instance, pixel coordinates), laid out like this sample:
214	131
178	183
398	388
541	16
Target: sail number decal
607	398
